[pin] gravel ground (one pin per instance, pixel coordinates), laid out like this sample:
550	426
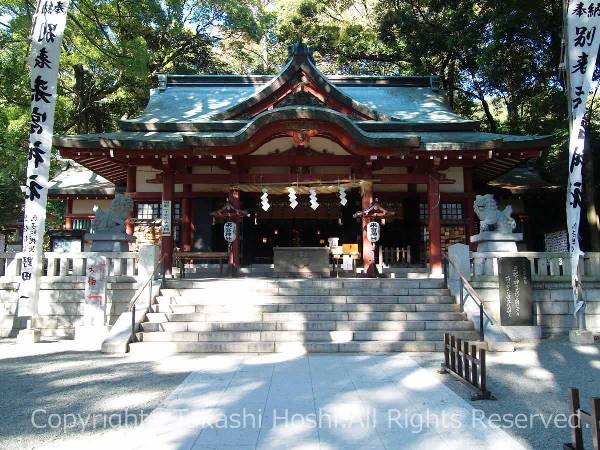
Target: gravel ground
534	380
60	378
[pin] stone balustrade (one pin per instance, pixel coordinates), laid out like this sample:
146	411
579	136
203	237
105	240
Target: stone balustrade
545	266
62	287
70	266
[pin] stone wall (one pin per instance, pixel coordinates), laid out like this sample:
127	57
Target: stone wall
552	307
60	307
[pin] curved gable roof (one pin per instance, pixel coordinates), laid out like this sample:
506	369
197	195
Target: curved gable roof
298	71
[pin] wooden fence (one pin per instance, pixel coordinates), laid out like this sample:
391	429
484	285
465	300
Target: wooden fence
467	363
579	418
394	256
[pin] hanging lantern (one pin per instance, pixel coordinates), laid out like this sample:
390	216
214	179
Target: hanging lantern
292	197
314	204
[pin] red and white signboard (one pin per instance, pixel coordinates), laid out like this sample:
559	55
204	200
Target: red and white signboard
95	291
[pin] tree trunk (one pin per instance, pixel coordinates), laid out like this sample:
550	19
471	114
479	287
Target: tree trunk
79	73
512	110
589	192
493	127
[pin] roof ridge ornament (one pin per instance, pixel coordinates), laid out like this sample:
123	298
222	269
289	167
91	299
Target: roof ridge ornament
162	81
301	50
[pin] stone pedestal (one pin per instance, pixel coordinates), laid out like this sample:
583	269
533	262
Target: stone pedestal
492	241
523	333
28	336
581	337
109	242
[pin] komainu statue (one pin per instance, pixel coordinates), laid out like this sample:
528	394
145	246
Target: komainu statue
490	217
113	220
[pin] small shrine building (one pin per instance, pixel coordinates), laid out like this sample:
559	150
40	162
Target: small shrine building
205	138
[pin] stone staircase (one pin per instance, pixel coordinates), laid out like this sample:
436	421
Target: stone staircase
313	315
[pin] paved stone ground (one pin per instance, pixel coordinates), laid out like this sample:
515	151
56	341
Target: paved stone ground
365	401
534	380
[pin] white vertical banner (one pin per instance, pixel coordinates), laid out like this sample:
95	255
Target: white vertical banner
46	38
583	39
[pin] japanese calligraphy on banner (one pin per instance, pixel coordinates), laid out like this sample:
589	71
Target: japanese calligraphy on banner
47	31
583	39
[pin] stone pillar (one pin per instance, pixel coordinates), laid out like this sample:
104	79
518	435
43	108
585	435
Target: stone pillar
131	188
68	212
469	199
166	243
434	225
234	255
368	254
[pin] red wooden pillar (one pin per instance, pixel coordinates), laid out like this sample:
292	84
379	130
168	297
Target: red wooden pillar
234	255
166	244
68	216
435	231
186	219
469	199
131	187
368	254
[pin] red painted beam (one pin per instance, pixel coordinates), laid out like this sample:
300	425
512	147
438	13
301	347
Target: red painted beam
412	178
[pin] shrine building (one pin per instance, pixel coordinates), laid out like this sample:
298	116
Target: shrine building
202	139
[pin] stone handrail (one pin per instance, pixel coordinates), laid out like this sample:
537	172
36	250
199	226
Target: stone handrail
69	265
545	266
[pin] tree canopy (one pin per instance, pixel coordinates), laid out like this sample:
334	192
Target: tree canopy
497	61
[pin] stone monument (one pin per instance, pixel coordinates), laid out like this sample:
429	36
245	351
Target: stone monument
496	235
496	227
108	236
109	226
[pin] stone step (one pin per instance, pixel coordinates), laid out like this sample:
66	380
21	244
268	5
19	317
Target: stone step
152	348
299	336
303	307
374	325
293	292
251	316
321	299
352	283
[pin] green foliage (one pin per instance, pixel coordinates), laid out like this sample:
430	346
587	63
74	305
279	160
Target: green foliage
498	61
111	55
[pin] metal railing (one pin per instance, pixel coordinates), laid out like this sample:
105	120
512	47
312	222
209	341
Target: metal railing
467	291
149	284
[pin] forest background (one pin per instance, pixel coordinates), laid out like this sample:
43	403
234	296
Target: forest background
498	62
